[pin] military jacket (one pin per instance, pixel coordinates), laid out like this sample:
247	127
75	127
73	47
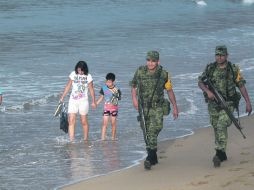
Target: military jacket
146	82
224	80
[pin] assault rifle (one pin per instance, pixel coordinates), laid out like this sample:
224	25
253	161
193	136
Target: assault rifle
221	102
141	116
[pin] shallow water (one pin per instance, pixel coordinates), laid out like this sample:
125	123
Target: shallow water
42	41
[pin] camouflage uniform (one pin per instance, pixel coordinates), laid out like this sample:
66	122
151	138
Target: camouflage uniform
225	81
146	82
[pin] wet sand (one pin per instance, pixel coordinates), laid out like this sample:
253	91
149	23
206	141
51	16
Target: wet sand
186	164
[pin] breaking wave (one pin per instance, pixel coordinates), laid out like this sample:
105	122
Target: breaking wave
31	103
248	1
200	2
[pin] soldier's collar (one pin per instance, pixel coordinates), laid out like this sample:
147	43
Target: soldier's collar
158	69
222	65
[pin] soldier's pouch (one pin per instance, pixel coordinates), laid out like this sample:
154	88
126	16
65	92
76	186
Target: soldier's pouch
235	99
166	107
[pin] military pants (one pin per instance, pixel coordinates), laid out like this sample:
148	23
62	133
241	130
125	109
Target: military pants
220	122
154	124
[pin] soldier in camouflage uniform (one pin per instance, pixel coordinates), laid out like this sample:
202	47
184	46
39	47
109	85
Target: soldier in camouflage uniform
145	80
225	77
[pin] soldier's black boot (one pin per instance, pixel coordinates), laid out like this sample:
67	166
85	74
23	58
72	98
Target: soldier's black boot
223	156
154	159
219	157
147	162
216	159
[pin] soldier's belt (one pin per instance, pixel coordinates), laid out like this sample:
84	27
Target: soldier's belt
153	104
219	107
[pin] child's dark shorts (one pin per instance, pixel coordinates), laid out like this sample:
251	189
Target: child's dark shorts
112	113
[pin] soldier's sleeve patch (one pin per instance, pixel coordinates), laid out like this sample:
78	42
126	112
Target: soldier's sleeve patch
238	76
239	79
168	85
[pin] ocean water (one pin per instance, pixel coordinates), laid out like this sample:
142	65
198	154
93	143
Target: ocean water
41	41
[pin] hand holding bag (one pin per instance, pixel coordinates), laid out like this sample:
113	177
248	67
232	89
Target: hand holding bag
64	124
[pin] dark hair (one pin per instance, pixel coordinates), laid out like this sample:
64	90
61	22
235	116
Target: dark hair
83	66
110	76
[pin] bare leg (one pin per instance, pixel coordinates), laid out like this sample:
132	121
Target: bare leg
104	127
72	123
113	124
84	123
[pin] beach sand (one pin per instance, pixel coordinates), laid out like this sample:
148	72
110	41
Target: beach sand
186	164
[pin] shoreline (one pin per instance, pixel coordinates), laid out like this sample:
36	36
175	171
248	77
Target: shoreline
186	163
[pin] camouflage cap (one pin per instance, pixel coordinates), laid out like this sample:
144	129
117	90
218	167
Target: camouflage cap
153	55
221	50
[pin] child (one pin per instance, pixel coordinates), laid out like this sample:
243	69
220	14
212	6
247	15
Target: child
111	94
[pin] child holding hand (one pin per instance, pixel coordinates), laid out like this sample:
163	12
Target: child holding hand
111	94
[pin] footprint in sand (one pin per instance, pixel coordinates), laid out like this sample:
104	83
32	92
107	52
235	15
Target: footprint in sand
209	175
252	173
244	162
161	157
241	180
199	183
245	153
235	169
226	184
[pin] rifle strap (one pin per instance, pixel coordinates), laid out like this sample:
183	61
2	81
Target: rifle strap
141	106
150	102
